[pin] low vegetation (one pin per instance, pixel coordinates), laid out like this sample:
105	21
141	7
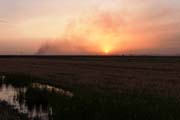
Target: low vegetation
7	112
106	88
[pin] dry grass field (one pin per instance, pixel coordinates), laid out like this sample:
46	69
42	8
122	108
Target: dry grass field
157	74
138	81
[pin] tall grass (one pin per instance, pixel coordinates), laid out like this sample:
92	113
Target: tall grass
88	104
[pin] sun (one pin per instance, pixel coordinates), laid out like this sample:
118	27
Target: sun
106	49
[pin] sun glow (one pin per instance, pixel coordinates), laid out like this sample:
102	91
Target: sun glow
107	49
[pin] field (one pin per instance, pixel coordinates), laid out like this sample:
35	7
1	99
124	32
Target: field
128	88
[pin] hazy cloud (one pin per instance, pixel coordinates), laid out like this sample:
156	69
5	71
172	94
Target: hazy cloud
3	21
90	26
124	32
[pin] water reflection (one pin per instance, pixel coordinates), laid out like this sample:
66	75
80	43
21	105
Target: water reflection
52	89
37	100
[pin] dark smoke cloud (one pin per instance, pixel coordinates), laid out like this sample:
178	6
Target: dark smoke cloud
65	47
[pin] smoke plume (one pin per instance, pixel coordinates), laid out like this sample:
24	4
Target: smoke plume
119	32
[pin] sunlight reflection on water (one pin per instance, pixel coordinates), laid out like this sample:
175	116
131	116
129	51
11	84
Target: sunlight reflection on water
15	96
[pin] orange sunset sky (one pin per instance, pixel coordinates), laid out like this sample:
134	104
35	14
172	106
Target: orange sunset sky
90	27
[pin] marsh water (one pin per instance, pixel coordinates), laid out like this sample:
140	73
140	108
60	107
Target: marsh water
38	101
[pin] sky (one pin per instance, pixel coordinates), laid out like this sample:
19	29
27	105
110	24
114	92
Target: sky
90	27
